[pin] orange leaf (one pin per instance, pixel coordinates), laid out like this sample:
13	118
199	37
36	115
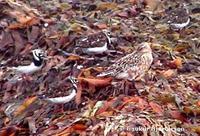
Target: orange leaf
25	105
98	82
78	95
79	127
106	114
152	4
177	62
24	23
73	57
129	100
101	25
106	5
169	73
198	103
132	99
9	131
156	108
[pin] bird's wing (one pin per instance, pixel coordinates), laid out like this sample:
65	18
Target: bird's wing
121	65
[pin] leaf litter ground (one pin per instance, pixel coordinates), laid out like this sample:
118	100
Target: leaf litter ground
168	103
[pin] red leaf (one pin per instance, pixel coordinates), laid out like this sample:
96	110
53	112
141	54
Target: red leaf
142	104
178	115
156	108
98	82
79	127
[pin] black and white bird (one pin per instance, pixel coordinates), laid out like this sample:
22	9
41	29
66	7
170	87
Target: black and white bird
96	43
133	66
38	58
178	17
37	63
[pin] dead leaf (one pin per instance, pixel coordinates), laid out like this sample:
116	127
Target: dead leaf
194	128
25	105
25	23
73	58
142	104
191	110
198	103
177	63
34	34
101	25
106	5
106	114
152	4
133	1
78	94
123	14
178	115
156	108
104	108
81	127
97	82
18	41
129	100
169	73
5	40
10	131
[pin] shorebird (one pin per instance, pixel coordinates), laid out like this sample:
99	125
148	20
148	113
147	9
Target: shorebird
37	63
178	17
133	66
61	97
64	99
94	43
38	57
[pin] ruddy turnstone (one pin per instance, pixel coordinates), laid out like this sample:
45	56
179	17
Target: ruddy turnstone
133	66
94	43
38	57
178	18
65	99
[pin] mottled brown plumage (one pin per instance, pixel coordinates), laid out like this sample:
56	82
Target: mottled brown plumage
178	18
132	66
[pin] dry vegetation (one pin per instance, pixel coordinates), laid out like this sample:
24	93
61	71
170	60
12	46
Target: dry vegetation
169	95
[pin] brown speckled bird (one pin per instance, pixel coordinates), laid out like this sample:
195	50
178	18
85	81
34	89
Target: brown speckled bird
132	66
178	17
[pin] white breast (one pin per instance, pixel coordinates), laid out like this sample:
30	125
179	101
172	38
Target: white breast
180	25
62	100
98	49
30	69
